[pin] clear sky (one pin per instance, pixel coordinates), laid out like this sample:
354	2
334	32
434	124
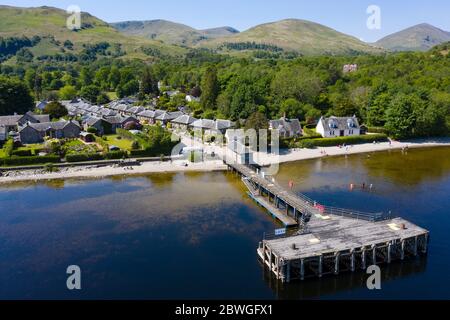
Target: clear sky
348	16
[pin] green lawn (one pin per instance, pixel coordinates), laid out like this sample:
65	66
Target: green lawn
115	140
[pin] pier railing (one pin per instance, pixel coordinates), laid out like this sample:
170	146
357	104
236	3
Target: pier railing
349	213
310	206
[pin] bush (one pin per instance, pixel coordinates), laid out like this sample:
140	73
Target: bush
142	153
125	134
23	161
102	142
84	157
377	130
332	142
8	147
116	155
22	153
92	130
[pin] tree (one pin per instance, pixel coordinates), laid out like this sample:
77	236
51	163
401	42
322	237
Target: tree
149	83
400	118
209	88
292	109
90	92
14	96
67	92
128	89
257	121
102	99
55	109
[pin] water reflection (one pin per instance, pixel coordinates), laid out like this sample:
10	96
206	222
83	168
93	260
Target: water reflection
194	235
332	287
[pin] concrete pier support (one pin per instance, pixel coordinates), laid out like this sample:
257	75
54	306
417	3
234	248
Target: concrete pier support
402	251
363	259
352	261
336	263
320	266
415	246
425	244
374	254
288	272
389	248
302	269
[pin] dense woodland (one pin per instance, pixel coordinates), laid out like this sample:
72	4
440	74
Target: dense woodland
407	94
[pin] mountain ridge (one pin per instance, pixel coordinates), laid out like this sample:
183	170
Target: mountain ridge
170	32
420	37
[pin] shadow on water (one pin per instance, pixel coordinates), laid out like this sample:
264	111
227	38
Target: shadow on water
329	286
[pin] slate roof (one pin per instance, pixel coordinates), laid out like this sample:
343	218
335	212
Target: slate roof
184	119
288	125
135	110
14	119
44	126
340	123
168	116
204	124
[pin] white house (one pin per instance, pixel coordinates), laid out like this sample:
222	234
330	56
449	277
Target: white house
237	151
338	127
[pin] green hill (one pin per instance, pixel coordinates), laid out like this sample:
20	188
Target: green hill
51	22
170	32
301	36
421	37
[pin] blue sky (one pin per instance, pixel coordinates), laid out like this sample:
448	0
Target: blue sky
348	16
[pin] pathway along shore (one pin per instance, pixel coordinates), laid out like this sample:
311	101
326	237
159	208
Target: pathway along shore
94	171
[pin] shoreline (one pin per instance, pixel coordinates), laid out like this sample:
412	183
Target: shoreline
294	155
177	166
111	171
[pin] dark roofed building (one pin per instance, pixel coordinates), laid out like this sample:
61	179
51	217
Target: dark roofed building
36	132
287	128
183	122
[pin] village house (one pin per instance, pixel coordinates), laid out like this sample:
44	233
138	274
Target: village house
183	122
237	150
287	128
2	134
12	123
212	127
134	111
149	116
338	127
36	132
167	117
107	125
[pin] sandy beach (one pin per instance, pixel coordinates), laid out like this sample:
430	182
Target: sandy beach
262	159
265	159
108	171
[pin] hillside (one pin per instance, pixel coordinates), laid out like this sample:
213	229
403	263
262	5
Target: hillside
301	36
170	32
421	37
48	21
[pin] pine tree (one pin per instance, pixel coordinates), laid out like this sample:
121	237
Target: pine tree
210	89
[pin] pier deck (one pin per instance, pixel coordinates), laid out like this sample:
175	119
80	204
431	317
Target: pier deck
335	240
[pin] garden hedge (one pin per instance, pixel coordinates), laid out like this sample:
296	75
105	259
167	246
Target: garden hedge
114	155
332	142
84	157
22	153
24	161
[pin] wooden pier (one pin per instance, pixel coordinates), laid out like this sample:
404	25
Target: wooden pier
330	240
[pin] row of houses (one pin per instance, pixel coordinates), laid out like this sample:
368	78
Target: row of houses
32	128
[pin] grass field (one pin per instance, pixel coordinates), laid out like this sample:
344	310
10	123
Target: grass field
115	140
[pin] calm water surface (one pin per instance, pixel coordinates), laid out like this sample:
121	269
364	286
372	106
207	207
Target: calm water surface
194	236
